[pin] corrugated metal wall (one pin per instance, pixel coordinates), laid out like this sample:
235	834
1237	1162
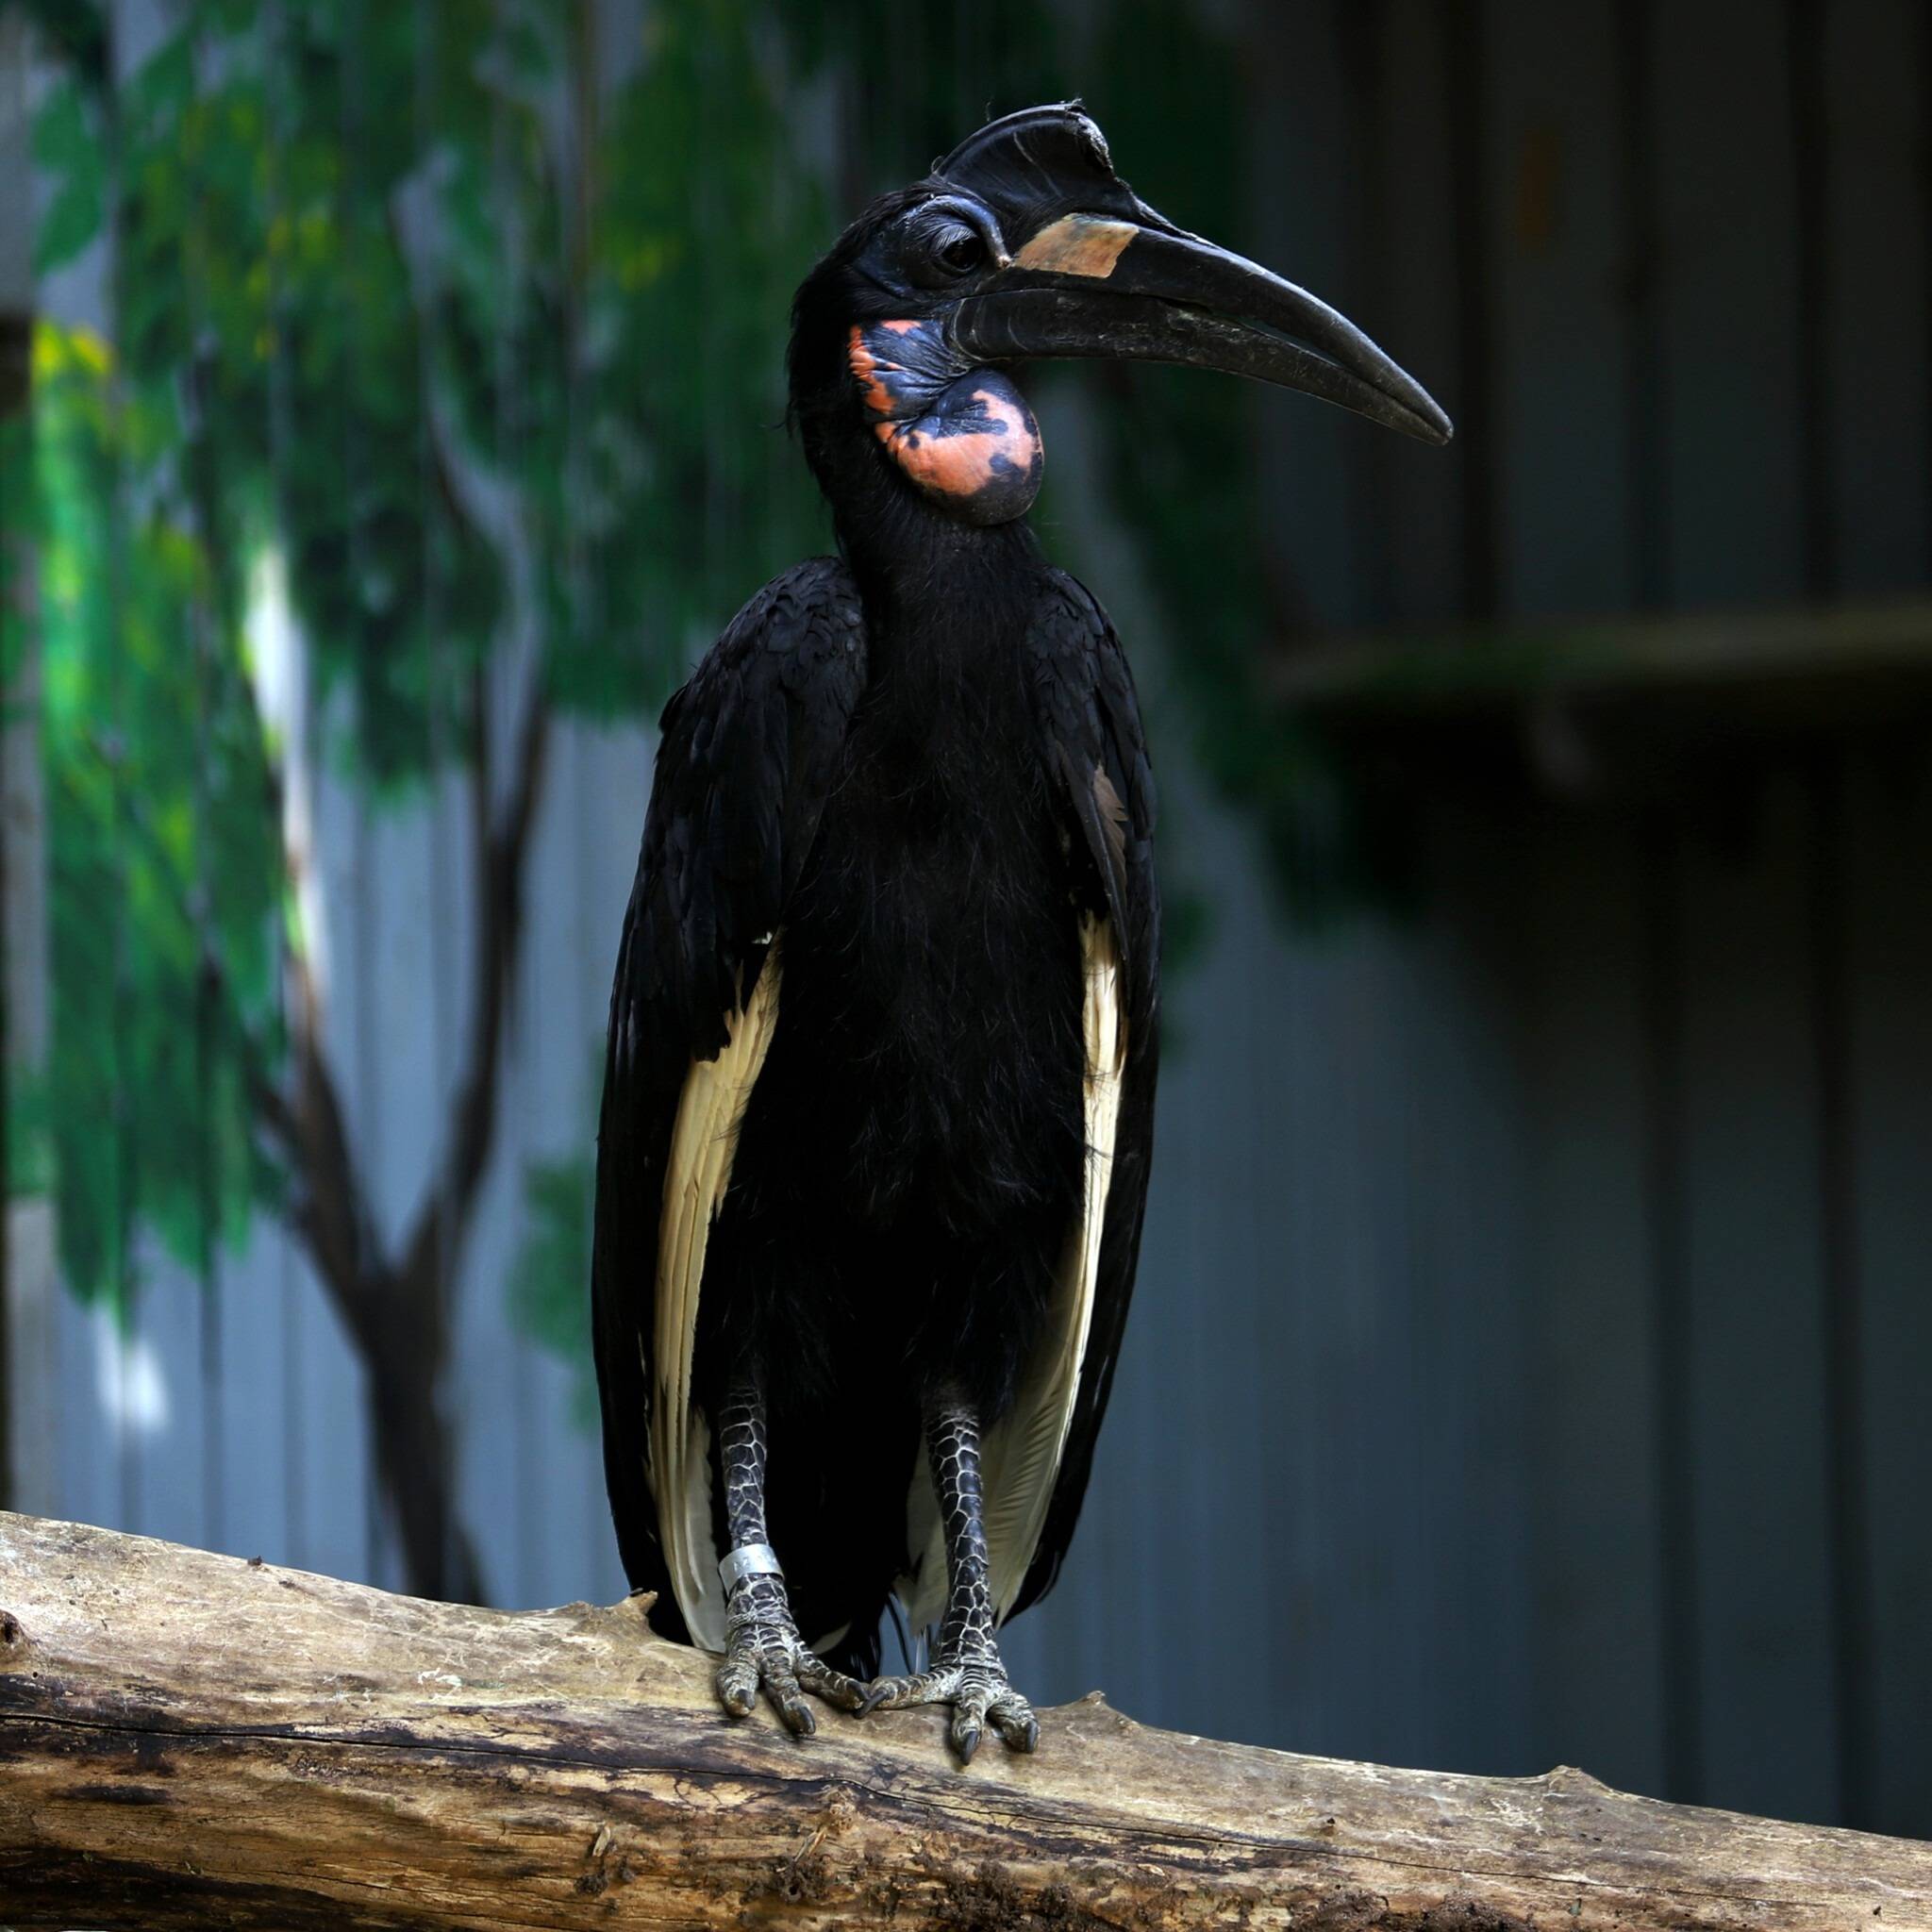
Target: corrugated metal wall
1730	1113
1533	1329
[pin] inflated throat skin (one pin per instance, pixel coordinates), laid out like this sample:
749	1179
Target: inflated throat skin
962	436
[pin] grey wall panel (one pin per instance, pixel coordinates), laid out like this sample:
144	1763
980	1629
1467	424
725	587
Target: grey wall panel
1559	222
254	1471
1420	553
1470	1284
87	1462
1725	169
1308	208
165	1349
1873	292
1888	830
1766	1712
1597	1655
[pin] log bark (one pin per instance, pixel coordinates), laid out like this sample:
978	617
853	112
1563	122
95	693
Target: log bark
189	1740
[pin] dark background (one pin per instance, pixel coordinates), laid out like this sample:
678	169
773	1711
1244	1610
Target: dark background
1534	1328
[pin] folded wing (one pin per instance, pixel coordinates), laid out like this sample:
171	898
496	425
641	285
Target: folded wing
745	760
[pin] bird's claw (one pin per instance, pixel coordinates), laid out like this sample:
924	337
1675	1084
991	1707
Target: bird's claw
767	1652
980	1693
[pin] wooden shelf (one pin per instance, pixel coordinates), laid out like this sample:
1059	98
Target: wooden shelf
1617	709
1510	664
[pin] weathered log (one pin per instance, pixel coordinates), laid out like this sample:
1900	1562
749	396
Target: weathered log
192	1740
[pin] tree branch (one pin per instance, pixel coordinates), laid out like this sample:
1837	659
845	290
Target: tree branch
489	502
330	1212
429	1253
191	1739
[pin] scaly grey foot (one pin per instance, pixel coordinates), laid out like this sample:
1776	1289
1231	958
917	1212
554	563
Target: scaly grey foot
762	1647
976	1685
967	1671
763	1650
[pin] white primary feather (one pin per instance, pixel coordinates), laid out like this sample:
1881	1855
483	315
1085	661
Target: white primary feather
703	1143
1020	1459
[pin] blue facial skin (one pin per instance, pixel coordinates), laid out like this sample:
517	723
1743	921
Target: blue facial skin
962	436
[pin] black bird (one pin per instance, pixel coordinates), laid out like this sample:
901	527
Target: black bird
879	1103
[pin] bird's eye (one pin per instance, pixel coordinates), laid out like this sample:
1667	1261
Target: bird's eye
961	252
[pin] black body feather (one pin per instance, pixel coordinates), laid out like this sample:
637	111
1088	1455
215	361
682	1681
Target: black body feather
925	793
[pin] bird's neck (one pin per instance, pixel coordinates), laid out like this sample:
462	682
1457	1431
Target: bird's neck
915	565
947	608
906	549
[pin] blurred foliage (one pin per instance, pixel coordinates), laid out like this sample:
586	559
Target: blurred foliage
28	1165
548	1294
475	322
162	848
408	296
74	31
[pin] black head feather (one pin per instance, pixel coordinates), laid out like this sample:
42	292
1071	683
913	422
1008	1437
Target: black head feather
1032	167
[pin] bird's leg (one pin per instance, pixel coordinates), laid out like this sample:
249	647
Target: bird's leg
967	1671
762	1646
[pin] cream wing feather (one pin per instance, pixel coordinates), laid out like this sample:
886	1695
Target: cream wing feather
1021	1456
711	1110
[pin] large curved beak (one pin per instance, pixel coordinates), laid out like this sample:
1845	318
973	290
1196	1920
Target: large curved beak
1095	285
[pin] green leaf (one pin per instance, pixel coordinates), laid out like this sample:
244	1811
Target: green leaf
68	148
550	1282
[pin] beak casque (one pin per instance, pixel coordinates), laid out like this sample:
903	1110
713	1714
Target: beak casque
1097	272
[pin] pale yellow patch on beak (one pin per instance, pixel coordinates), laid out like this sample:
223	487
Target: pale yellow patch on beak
1077	245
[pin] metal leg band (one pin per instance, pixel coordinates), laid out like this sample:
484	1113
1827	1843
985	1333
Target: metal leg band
749	1559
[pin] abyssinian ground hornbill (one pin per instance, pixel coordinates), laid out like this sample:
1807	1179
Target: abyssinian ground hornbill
879	1102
